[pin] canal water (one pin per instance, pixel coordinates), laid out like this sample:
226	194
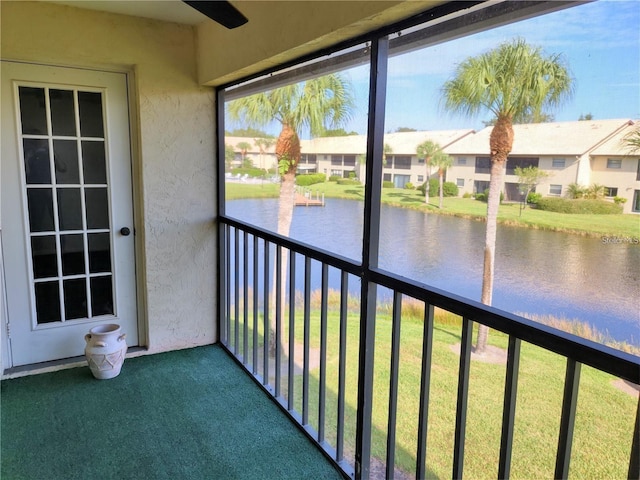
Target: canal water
593	280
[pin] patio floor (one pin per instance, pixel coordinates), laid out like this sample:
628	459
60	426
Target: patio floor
188	414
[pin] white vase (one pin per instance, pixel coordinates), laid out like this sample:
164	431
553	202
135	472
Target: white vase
105	350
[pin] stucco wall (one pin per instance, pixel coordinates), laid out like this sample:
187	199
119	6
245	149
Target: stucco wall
175	171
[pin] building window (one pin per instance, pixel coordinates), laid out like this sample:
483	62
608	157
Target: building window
402	162
308	158
460	182
483	165
421	161
386	177
336	173
462	160
336	160
636	201
555	189
522	162
349	160
420	178
614	163
558	163
638	172
479	186
610	191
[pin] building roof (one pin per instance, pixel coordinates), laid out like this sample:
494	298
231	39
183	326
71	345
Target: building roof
615	145
594	137
559	138
401	143
406	143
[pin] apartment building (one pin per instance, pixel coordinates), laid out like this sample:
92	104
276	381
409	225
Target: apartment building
582	152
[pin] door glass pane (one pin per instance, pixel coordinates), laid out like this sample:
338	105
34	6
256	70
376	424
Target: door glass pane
72	247
69	209
75	298
47	302
97	208
63	118
65	158
93	162
76	206
43	251
99	253
33	111
36	161
90	105
101	296
40	202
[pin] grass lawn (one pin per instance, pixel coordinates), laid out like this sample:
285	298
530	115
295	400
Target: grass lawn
604	422
594	225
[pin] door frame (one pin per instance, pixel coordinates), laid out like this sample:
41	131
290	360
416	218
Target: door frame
6	367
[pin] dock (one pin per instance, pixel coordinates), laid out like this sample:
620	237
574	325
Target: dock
304	198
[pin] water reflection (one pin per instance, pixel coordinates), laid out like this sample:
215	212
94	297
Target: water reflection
539	272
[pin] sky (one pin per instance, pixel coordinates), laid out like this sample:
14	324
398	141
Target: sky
599	41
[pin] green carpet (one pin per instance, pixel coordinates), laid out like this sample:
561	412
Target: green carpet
189	414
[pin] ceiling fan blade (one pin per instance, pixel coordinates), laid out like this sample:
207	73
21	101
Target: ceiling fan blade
221	11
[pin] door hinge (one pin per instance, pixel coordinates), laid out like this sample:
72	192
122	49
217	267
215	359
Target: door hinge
8	330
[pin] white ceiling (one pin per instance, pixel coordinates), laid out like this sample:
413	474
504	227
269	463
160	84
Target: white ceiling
167	10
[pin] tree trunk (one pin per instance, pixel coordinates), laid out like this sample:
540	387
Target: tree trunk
501	141
426	185
288	155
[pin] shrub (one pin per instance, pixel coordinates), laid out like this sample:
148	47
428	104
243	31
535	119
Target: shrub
449	189
594	191
334	178
563	205
409	186
387	184
310	179
348	181
534	197
466	195
575	190
619	200
484	197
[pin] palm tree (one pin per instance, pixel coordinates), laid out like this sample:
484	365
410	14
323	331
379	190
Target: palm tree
317	104
244	148
386	150
442	161
229	156
263	145
513	81
427	150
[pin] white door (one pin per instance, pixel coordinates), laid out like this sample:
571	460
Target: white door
66	209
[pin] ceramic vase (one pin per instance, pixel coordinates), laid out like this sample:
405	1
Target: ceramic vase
105	350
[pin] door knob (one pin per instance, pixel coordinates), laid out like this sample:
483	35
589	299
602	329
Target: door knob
125	231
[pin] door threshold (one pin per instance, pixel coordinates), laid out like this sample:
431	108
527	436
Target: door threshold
54	365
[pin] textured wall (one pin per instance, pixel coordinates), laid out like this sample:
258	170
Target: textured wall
174	154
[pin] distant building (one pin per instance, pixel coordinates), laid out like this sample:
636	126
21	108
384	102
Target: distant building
582	152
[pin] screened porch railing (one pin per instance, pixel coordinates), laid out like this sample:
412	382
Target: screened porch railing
302	322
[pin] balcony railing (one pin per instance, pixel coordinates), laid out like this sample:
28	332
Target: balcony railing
310	327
